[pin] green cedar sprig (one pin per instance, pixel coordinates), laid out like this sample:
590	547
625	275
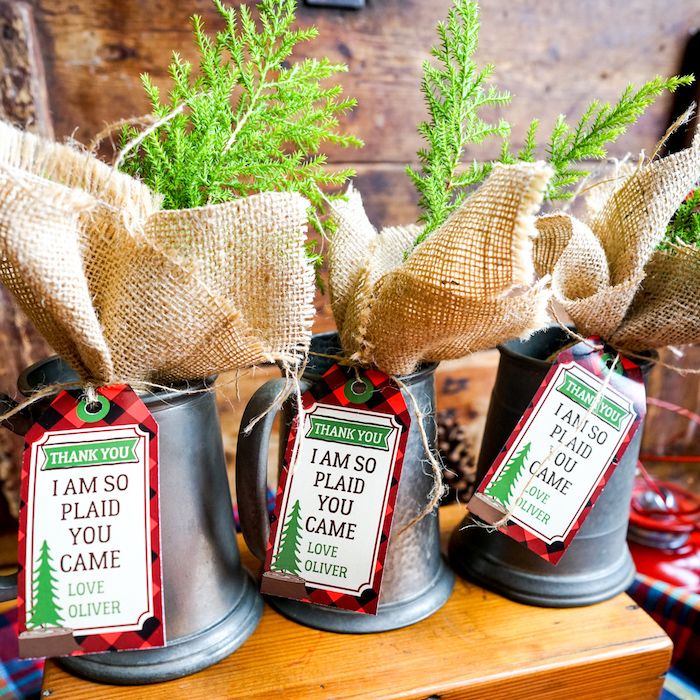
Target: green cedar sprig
599	125
455	91
684	227
253	121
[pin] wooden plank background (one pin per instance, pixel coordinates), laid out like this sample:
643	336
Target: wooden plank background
553	56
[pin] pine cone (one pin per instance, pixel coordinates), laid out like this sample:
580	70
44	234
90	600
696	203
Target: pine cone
458	455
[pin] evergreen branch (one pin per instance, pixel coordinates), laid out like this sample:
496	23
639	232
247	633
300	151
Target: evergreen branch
527	153
455	90
252	122
598	126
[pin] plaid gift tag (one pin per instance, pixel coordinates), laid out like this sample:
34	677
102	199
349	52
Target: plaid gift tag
89	536
563	451
332	521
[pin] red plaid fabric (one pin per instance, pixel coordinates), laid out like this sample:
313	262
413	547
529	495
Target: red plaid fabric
677	610
19	678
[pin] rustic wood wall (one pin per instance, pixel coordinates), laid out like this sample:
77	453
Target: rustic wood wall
23	100
553	56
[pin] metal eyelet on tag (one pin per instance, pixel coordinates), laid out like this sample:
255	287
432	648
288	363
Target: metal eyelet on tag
610	363
93	416
358	390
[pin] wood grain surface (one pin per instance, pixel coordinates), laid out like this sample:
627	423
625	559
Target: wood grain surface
554	57
23	96
478	647
23	101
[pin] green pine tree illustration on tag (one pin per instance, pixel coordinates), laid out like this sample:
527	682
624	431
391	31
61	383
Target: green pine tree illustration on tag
287	558
502	486
45	612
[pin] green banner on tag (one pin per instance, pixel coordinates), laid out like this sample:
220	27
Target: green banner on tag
349	433
90	454
605	408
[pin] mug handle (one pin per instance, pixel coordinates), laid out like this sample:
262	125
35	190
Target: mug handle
8	587
19	423
251	467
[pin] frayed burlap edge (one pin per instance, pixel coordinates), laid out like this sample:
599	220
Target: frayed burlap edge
465	288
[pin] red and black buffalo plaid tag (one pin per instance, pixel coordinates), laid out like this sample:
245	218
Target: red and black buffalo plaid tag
564	449
330	529
89	537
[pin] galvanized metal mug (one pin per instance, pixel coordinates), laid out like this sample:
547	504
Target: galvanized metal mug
416	581
598	564
210	603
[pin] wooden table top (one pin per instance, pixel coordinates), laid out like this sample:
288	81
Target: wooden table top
478	646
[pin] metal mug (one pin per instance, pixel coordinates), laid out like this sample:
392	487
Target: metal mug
597	564
210	603
416	581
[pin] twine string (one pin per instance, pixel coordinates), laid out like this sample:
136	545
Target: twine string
436	491
438	488
111	127
89	391
138	140
90	397
275	404
292	383
623	351
512	504
656	361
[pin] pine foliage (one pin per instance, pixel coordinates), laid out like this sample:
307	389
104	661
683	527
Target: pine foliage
45	612
684	227
456	90
599	125
253	121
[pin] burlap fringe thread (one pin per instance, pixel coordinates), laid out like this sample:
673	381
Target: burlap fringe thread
607	273
128	292
468	287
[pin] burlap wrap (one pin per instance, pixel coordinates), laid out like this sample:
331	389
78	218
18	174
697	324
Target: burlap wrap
608	274
126	291
466	288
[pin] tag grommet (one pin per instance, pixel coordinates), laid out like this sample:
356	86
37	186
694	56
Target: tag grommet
358	390
91	412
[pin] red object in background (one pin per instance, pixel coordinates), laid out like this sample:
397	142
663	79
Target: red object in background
664	532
